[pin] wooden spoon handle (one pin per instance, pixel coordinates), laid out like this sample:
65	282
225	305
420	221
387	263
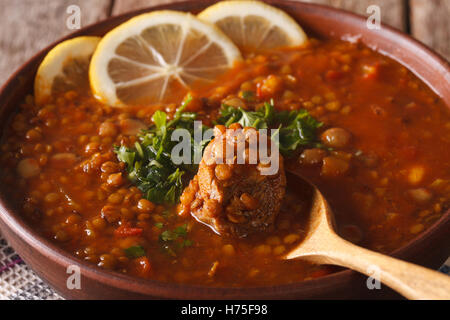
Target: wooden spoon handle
410	280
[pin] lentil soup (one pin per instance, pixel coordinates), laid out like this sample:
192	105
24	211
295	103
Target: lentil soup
383	162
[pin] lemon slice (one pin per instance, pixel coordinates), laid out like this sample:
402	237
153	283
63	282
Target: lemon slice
154	56
65	68
253	25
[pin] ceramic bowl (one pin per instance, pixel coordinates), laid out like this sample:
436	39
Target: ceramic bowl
429	249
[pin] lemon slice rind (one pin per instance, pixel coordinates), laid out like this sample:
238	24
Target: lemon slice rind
54	62
245	8
104	87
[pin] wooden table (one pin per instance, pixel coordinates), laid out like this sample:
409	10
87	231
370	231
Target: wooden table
30	25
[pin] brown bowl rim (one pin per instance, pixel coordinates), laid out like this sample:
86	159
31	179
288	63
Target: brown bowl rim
185	291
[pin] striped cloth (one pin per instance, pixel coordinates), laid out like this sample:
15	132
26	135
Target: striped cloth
19	282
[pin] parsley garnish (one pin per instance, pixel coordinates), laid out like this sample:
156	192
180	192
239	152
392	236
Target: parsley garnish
178	232
259	119
172	240
248	95
149	162
135	252
295	128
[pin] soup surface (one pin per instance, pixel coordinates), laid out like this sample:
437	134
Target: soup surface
385	169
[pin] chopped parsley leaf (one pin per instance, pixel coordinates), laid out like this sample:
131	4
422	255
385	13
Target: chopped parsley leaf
135	252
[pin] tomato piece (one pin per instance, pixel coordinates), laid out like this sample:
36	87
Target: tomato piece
126	231
259	94
141	267
334	75
371	71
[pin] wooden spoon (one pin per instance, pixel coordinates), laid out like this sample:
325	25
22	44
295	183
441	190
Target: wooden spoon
323	246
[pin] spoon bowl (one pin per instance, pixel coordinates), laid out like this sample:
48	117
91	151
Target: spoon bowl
322	245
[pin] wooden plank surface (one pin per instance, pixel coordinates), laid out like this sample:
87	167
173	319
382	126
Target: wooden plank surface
393	12
122	6
30	25
430	24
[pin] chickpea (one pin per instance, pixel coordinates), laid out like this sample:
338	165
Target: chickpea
115	198
145	206
420	195
333	106
51	197
28	168
417	228
346	110
98	223
109	167
92	147
73	219
107	129
336	138
308	105
117	252
228	250
96	161
107	261
271	85
334	167
263	249
223	172
33	135
416	174
115	179
124	116
289	95
110	213
291	238
234	102
273	240
279	250
63	160
317	100
247	86
62	236
143	217
312	156
249	202
83	139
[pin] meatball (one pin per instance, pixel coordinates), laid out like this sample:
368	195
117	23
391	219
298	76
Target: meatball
237	195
